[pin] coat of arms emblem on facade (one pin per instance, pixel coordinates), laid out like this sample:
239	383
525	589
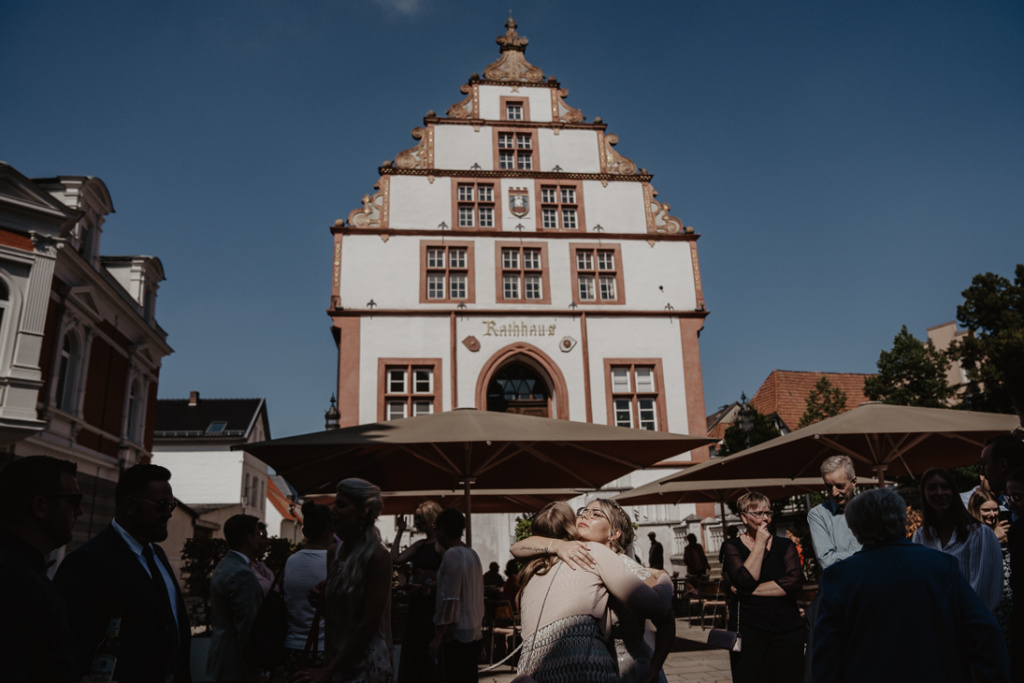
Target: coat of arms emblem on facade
519	201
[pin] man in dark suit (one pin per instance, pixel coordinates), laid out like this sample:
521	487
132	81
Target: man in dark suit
39	503
123	569
235	597
656	556
898	611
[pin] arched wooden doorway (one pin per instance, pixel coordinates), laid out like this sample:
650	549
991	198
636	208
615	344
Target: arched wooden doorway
518	388
521	378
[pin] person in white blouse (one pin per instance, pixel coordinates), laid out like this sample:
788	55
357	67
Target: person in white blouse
459	614
947	526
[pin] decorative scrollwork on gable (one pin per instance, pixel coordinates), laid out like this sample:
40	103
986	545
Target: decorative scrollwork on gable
658	219
560	111
374	211
420	156
512	65
614	162
465	108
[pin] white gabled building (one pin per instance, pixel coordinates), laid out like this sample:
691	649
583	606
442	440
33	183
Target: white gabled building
513	260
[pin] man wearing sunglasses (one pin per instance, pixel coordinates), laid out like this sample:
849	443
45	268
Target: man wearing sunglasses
123	569
39	503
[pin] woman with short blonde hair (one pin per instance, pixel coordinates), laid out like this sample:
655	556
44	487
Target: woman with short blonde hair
763	570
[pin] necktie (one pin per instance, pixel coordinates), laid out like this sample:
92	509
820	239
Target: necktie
161	592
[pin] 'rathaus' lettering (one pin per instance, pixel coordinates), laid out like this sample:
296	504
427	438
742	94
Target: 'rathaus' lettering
517	330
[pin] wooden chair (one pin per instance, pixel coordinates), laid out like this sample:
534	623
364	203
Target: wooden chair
504	623
711	596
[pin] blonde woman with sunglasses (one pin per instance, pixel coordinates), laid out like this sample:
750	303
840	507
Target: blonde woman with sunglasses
763	574
604	532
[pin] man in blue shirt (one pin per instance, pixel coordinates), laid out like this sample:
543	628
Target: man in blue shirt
833	541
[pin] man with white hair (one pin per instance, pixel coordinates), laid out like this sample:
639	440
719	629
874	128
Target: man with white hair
833	541
830	534
898	611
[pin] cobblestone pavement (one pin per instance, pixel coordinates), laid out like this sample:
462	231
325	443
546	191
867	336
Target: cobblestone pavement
691	660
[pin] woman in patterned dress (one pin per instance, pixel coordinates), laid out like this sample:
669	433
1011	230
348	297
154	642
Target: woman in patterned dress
984	507
567	623
357	598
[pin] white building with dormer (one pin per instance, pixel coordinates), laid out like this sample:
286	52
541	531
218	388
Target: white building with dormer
514	260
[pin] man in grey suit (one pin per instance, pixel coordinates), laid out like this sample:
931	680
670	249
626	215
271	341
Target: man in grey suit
235	597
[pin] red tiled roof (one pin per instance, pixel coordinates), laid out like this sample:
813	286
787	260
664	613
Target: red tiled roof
785	392
282	503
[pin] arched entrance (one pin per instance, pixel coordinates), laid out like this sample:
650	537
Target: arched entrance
518	388
521	378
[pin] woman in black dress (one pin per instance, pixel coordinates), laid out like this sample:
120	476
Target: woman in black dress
425	558
763	574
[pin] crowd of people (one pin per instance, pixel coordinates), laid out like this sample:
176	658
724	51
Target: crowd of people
938	606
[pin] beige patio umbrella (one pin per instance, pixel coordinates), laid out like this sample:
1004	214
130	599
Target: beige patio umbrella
484	500
881	439
468	449
671	491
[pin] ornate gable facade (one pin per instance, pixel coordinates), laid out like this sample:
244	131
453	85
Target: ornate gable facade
514	259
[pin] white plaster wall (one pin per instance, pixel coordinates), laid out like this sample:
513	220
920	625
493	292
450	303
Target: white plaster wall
490	101
387	272
668	265
206	477
417	203
471	363
639	338
391	337
617	208
460	146
576	151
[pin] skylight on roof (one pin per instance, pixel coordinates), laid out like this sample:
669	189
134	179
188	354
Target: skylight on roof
216	427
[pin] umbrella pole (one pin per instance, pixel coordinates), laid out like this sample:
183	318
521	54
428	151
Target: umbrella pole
469	512
880	472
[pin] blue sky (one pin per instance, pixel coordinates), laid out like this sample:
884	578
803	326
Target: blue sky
849	165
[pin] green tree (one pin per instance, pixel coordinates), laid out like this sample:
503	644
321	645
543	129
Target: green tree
913	373
735	438
993	314
824	401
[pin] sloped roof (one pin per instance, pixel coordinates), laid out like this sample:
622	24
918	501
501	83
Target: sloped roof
721	420
284	505
785	392
176	419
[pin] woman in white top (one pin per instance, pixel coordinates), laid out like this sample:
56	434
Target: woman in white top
947	526
305	569
565	617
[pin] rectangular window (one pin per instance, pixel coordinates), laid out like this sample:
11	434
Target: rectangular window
522	272
515	151
532	286
447	273
510	289
396	380
474	205
408	387
435	286
514	111
423	381
458	285
598	277
586	288
559	207
635	399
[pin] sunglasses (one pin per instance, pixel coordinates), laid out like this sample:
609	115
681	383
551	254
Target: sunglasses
162	506
585	512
